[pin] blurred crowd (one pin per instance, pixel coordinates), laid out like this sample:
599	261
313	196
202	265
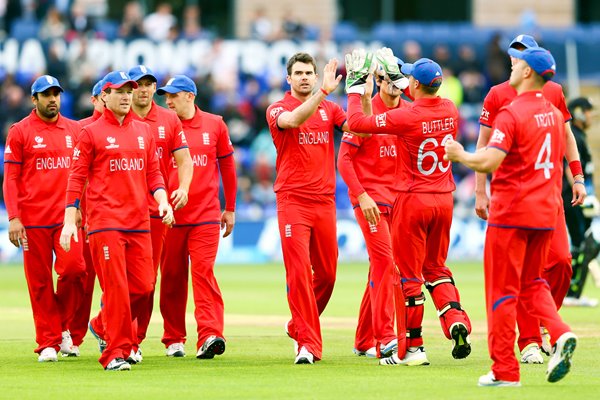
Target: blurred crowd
240	98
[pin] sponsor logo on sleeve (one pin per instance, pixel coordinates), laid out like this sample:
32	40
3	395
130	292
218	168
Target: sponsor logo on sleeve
348	136
498	136
39	143
76	153
275	112
183	139
380	120
485	114
112	143
7	150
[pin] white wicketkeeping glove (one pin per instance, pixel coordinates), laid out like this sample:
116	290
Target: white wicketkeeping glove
359	65
388	62
590	206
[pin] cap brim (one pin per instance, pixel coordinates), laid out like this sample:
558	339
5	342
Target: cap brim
138	77
43	89
121	84
168	89
515	53
407	68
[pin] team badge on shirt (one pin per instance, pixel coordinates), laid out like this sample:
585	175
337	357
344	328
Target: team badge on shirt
39	143
288	230
69	142
161	132
323	115
206	138
141	142
112	143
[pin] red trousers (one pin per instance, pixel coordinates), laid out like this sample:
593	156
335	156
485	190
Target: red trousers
307	227
158	232
79	326
128	279
421	237
198	243
513	262
557	272
53	312
376	315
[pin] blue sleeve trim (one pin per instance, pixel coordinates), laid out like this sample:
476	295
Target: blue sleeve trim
501	300
12	162
350	143
496	147
486	125
179	148
226	155
341	125
157	189
75	204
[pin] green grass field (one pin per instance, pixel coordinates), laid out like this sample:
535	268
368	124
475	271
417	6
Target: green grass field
258	363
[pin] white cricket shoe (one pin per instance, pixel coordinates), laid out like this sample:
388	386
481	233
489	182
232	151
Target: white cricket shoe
414	356
304	357
370	353
176	350
118	364
461	342
48	355
531	354
546	343
212	346
560	362
135	357
388	349
490	380
66	345
580	302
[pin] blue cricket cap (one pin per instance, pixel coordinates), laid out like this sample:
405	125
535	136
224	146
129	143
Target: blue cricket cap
426	71
138	72
539	59
525	40
97	89
116	79
43	83
178	83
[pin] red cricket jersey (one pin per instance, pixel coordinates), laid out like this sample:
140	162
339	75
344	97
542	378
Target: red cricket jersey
43	152
502	94
92	118
121	164
423	127
305	155
526	187
369	164
169	137
208	140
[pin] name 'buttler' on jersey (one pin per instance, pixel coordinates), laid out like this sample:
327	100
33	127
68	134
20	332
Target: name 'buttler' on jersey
208	142
118	160
43	151
374	160
525	189
305	155
423	128
169	137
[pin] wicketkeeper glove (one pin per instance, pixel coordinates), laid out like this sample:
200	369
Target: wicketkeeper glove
590	206
389	63
359	65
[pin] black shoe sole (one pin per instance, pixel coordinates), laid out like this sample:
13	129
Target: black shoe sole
461	349
217	347
563	367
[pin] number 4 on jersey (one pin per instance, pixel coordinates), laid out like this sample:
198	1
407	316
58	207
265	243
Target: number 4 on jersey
546	165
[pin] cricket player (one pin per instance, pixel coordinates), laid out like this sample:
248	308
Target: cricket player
79	326
117	156
525	154
170	141
368	166
558	270
195	234
302	126
422	211
37	159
